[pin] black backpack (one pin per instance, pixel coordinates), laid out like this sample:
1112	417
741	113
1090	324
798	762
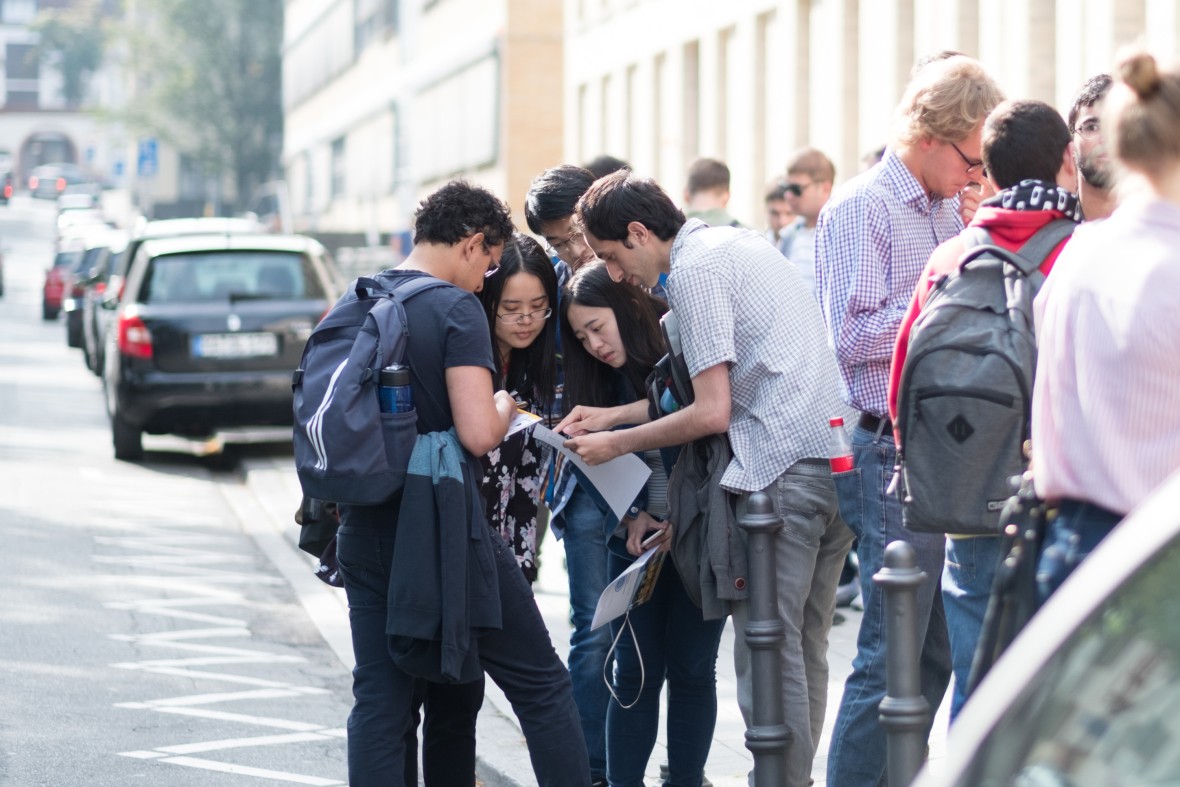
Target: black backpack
963	404
346	449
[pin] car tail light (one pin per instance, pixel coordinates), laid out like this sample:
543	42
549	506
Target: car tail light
33	181
61	184
7	190
135	340
100	287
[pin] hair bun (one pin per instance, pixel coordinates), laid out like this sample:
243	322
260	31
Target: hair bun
1141	74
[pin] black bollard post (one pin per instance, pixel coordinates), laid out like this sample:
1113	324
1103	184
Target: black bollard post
904	711
767	737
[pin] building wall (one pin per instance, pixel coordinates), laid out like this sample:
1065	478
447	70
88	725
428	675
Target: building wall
451	88
659	82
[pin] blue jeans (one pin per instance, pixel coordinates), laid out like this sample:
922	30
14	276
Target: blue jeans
585	557
857	754
678	646
967	580
519	658
1073	534
809	555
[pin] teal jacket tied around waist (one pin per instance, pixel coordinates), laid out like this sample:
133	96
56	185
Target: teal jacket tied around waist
443	586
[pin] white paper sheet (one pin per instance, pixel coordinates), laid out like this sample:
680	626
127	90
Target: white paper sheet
618	481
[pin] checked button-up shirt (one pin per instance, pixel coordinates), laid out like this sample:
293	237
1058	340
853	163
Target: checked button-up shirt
872	241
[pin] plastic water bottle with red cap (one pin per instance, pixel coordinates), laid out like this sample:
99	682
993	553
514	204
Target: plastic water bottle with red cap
839	447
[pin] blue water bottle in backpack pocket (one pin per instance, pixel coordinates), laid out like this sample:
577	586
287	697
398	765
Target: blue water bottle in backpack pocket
393	389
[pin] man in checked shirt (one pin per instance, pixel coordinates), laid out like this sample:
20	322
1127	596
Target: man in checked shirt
872	240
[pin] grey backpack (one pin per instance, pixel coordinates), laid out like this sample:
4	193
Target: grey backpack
346	449
963	403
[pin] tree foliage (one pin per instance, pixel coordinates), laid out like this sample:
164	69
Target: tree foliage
208	81
72	39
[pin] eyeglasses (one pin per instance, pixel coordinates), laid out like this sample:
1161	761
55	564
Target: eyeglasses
560	248
1089	129
494	268
972	166
518	318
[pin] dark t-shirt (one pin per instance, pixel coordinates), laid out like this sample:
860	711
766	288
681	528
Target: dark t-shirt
448	328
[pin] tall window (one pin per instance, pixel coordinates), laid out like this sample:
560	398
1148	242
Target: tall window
22	84
338	168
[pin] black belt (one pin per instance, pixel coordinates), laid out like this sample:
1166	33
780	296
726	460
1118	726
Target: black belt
872	423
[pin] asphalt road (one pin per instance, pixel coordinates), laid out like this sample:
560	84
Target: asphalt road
144	638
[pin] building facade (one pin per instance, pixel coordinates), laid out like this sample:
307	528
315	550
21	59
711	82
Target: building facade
386	100
659	82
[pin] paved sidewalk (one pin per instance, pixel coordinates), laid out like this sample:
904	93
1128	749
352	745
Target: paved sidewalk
503	757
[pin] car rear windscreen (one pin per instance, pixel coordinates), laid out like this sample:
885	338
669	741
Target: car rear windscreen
230	275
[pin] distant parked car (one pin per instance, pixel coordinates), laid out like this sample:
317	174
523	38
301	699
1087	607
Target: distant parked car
105	250
50	180
1	273
208	331
6	186
1087	694
57	277
87	274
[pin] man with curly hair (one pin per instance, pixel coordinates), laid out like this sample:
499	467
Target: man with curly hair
459	233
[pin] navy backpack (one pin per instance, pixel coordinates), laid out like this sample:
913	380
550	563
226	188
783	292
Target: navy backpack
347	450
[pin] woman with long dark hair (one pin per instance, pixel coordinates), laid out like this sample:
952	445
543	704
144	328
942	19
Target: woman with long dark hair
611	338
519	302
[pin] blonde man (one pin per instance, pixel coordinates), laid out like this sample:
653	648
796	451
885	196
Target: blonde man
872	240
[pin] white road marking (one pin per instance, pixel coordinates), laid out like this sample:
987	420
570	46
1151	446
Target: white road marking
262	773
193	579
241	743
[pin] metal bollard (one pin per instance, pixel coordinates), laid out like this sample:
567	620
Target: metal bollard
767	737
904	711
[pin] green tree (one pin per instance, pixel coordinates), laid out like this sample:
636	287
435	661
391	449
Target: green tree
208	81
72	39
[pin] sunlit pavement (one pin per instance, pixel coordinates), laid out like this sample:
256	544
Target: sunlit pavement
267	503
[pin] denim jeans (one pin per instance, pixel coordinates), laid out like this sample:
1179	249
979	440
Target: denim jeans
967	578
1073	534
809	556
857	754
519	658
675	645
585	557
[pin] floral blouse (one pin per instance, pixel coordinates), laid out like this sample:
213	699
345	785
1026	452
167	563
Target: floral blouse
512	489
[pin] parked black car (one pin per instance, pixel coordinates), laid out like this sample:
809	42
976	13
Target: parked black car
1087	694
104	307
207	333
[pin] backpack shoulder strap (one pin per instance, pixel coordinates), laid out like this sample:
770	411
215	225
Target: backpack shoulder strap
406	290
1041	244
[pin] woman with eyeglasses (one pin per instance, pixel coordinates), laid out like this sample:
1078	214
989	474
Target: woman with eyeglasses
611	336
519	301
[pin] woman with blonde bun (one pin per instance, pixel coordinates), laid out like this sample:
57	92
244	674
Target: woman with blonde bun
1106	404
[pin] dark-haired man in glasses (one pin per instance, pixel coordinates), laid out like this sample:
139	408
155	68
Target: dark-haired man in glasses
1095	172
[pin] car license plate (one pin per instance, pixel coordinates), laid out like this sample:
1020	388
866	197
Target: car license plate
235	345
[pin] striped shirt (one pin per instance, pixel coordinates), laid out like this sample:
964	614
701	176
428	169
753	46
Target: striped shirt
1106	403
872	241
738	304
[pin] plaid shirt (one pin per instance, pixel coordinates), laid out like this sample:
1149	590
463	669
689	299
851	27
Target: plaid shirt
872	241
738	304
